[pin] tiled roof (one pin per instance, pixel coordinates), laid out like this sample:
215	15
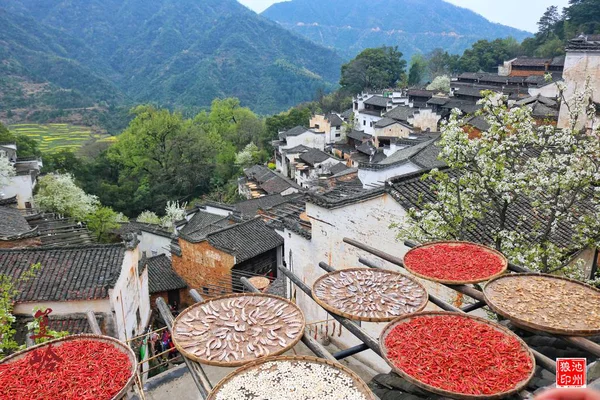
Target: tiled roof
134	227
584	43
358	135
297	149
334	120
367	148
201	224
467	107
343	195
467	91
347	114
9	201
413	192
161	277
382	123
478	122
401	113
249	208
13	225
530	62
438	101
314	156
339	167
407	153
246	240
377	101
295	131
67	273
269	181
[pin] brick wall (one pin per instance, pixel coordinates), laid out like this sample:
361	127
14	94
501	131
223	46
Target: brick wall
201	265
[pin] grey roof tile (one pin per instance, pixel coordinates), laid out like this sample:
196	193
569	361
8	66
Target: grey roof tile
401	113
249	208
378	101
161	277
67	273
13	225
314	156
246	240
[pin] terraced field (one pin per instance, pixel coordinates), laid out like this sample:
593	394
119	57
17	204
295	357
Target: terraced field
55	137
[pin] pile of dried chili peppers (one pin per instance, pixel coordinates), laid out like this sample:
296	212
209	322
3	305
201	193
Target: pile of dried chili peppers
85	369
458	354
454	262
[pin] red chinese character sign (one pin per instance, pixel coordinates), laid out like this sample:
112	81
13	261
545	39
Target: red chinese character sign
49	360
571	372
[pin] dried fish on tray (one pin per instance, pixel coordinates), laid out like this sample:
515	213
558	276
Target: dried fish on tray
292	378
545	302
233	330
366	294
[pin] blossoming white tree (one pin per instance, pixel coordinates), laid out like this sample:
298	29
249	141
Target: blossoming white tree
521	186
58	193
173	212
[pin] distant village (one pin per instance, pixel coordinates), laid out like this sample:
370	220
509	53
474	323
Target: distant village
349	174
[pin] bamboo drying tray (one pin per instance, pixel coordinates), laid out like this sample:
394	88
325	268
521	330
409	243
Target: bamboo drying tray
204	321
407	318
457	282
377	316
99	338
533	297
359	384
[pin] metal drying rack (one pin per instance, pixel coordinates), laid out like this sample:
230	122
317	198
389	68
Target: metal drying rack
368	342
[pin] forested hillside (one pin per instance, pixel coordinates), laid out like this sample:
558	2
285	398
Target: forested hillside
415	26
177	53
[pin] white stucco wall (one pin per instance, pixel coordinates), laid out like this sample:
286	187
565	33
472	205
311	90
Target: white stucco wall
365	122
550	90
20	186
154	245
369	177
308	139
65	307
217	211
579	66
128	297
425	119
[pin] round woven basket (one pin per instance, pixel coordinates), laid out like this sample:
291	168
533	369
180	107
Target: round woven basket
532	325
99	338
453	282
260	282
360	385
407	318
236	363
341	313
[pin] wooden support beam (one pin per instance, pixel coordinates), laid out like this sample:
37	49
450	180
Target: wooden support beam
95	328
200	379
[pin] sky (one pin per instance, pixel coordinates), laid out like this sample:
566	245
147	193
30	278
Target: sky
522	14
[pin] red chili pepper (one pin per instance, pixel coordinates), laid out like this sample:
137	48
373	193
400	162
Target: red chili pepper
87	370
457	262
458	354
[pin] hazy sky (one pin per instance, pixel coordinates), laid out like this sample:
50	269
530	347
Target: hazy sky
522	14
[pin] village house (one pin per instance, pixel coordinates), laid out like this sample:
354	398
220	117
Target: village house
153	239
23	183
368	109
164	282
528	66
331	125
212	253
582	62
312	165
104	279
261	181
286	159
299	135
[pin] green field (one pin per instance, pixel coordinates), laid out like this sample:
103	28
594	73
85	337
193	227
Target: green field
55	137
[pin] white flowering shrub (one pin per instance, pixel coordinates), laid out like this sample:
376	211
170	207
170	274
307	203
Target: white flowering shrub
440	83
58	193
173	212
148	217
517	175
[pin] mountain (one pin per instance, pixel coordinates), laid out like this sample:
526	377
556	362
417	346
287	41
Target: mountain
350	26
180	53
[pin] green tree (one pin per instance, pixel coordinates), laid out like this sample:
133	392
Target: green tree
373	69
8	292
60	194
63	161
26	146
548	21
102	221
440	62
249	156
148	217
584	15
418	70
486	56
297	116
441	84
